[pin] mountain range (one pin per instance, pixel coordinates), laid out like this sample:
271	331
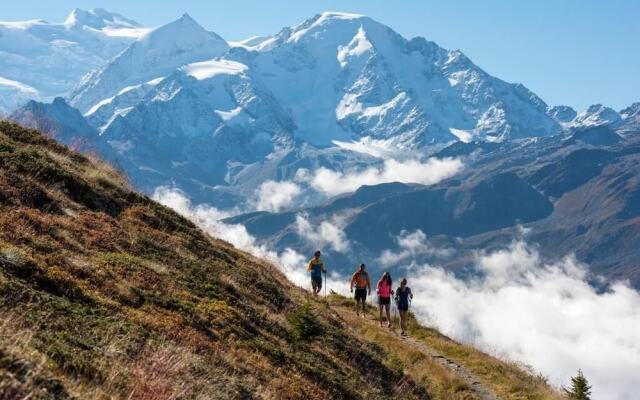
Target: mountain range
41	60
338	102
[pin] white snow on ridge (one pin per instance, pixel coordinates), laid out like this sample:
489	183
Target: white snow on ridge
127	89
134	33
208	69
99	104
358	46
252	43
462	135
229	115
324	17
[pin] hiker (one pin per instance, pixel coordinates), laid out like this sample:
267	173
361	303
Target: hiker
316	267
361	280
403	296
384	296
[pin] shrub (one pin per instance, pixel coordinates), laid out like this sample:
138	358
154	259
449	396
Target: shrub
303	323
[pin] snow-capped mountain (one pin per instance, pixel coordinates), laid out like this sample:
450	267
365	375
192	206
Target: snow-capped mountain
630	122
562	114
181	103
182	106
154	55
344	77
596	115
41	60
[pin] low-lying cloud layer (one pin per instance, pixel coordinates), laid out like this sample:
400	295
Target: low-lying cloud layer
433	170
412	245
543	314
274	196
290	262
323	234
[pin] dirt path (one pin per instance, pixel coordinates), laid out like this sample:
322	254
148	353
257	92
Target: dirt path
477	387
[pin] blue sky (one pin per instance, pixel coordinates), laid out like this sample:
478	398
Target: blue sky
575	52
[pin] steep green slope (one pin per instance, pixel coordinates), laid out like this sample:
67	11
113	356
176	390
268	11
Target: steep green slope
107	294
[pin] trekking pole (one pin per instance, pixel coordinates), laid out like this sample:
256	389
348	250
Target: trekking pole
394	306
325	284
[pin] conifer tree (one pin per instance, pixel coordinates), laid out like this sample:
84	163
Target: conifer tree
580	388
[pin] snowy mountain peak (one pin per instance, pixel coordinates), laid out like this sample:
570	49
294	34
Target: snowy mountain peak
562	114
340	15
154	55
186	31
328	24
98	18
631	111
596	114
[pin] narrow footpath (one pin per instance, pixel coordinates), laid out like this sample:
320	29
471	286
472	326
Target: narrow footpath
479	389
475	387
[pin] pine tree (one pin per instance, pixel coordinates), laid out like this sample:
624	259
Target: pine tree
580	388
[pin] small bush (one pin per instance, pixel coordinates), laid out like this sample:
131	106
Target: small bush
304	323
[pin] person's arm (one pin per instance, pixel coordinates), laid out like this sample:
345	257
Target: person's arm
310	266
410	293
353	278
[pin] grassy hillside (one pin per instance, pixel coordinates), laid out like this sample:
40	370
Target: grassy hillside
107	294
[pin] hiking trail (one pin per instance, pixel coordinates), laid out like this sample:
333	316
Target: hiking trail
477	388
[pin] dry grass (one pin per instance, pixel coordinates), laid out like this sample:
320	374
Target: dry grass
506	379
439	381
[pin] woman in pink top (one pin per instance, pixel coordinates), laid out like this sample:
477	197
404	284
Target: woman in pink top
384	296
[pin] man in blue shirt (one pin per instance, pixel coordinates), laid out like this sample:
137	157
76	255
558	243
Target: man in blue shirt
316	268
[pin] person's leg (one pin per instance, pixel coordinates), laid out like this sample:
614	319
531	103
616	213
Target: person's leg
387	306
364	306
402	315
380	306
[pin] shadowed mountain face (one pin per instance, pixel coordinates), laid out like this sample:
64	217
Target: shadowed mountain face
500	201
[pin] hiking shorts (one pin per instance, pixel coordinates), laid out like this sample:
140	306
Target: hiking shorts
403	307
361	294
384	301
316	282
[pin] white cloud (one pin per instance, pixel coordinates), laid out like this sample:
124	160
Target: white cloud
325	233
290	262
542	313
274	196
411	171
412	245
